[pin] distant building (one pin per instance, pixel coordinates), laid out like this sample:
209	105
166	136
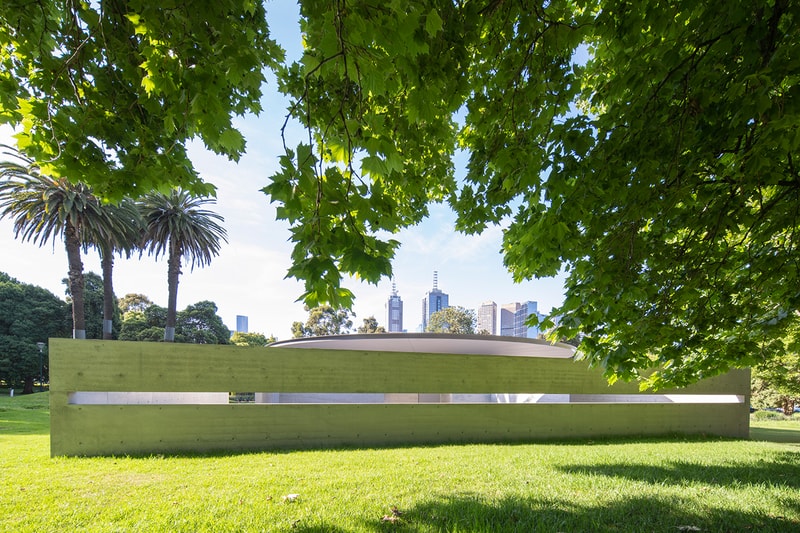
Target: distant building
487	318
394	312
435	300
514	319
241	324
521	327
507	316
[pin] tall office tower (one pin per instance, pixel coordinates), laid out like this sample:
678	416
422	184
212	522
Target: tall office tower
435	300
521	328
487	318
241	324
507	314
394	312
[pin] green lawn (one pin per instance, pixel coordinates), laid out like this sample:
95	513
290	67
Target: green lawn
643	485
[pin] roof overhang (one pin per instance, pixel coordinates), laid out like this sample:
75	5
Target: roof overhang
434	343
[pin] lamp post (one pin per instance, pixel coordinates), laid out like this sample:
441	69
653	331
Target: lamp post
41	368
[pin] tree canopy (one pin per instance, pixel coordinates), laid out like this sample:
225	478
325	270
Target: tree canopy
28	314
240	338
647	149
176	225
323	320
198	323
370	325
454	319
133	302
776	382
109	93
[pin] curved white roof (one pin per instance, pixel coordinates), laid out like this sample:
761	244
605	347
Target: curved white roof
434	343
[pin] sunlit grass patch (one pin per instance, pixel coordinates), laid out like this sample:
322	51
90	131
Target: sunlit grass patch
619	485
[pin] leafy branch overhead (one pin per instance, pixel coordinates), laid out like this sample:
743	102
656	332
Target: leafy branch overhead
647	149
109	93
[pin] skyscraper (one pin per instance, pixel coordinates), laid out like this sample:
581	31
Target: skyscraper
521	328
507	314
394	312
241	324
487	318
514	318
435	300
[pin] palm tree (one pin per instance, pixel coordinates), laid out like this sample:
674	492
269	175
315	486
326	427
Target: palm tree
176	225
44	208
120	232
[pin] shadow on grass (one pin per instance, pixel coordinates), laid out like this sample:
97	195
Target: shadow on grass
781	469
775	434
630	514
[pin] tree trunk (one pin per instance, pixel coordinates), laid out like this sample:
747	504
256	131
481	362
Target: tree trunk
73	244
107	260
173	273
27	387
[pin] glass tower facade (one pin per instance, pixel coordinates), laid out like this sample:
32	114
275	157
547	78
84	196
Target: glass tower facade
514	317
507	318
394	312
435	300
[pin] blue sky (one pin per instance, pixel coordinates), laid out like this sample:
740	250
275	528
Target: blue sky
248	276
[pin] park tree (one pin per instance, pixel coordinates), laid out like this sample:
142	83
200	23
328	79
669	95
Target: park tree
200	324
371	326
44	208
177	225
145	323
240	338
776	381
455	320
120	234
648	150
133	302
110	93
28	315
133	324
95	308
322	321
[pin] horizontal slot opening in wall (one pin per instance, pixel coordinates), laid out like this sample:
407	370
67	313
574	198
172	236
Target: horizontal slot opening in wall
284	398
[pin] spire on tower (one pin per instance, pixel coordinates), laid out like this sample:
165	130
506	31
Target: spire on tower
435	280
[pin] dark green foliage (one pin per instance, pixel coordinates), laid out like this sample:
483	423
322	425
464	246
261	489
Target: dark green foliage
198	323
648	149
111	93
28	314
776	381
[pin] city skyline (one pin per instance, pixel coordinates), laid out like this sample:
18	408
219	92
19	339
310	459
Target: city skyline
513	323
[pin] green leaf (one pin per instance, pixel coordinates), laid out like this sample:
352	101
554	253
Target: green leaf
433	23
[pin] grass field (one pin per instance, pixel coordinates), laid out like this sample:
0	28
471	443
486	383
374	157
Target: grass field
643	485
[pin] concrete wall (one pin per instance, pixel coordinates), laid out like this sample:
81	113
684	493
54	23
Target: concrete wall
423	391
